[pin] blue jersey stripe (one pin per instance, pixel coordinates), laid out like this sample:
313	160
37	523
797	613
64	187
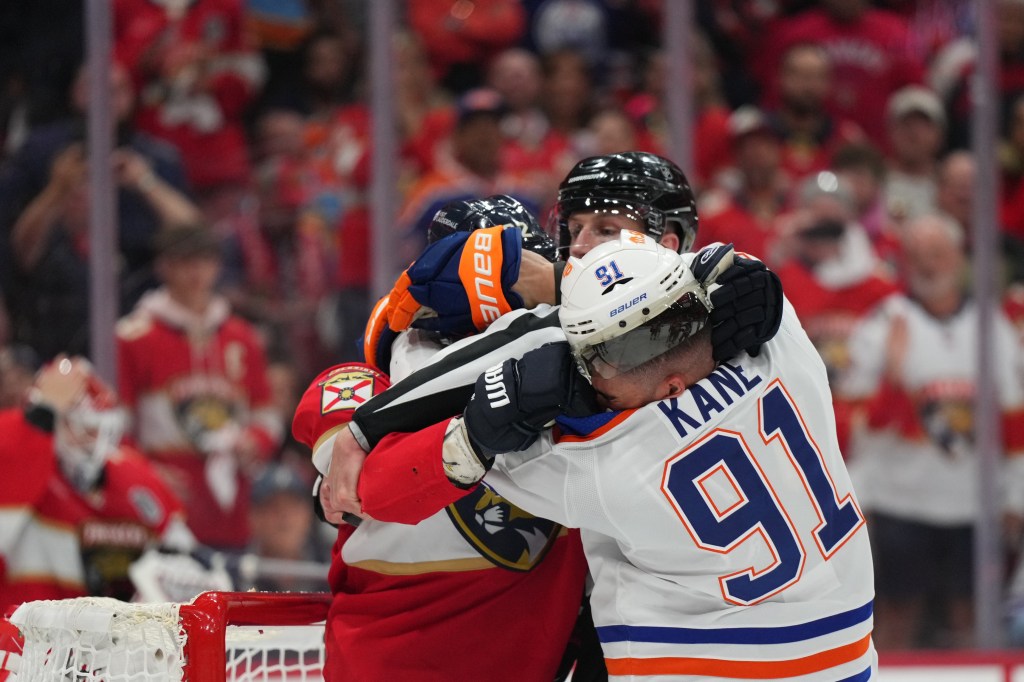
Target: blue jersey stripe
584	426
754	635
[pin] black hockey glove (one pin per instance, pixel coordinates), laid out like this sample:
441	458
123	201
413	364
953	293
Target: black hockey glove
747	308
513	403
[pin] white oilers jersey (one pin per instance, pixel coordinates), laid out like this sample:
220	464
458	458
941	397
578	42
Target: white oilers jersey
721	528
914	457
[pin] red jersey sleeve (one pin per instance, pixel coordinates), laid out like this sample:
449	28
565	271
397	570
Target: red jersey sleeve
403	479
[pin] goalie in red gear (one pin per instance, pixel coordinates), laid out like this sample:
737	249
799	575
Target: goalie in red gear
77	505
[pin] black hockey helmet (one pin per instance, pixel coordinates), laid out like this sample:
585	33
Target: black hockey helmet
644	186
498	209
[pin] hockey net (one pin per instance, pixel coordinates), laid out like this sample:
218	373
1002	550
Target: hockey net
219	636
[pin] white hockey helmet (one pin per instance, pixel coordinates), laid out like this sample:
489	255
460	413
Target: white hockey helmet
628	301
88	432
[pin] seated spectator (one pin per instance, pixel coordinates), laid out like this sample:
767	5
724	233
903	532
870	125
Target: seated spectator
862	167
569	98
1011	161
613	132
832	275
872	57
277	258
810	134
459	38
285	528
44	214
329	74
423	109
471	169
916	124
196	74
194	377
532	147
955	197
749	197
515	74
712	151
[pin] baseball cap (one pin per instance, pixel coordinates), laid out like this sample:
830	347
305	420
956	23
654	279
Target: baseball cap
479	101
915	99
747	120
185	241
279	478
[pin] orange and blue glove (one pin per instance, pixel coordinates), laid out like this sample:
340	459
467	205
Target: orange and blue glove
457	287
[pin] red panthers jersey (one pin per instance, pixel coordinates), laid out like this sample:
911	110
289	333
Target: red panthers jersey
56	542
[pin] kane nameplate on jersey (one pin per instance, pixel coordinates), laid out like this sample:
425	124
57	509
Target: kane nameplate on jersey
346	389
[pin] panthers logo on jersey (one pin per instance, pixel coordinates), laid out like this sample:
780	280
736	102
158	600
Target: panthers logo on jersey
501	532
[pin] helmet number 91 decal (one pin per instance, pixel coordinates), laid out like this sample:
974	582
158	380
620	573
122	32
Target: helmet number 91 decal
606	274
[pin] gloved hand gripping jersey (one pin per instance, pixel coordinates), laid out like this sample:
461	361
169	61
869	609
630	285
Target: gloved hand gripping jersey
747	307
512	404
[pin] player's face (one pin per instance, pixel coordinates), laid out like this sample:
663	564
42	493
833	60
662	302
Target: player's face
587	230
623	392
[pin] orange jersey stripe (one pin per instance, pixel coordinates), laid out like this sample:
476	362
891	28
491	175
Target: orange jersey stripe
745	670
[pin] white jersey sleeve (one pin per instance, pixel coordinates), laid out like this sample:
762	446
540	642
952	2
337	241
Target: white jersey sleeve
721	527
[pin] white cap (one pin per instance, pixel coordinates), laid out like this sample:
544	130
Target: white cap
915	99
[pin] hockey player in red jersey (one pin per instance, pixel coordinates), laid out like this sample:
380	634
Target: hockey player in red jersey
403	593
77	506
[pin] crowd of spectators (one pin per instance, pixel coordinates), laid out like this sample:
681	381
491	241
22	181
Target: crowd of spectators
830	139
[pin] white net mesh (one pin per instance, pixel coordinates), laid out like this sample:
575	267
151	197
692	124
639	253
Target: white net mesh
95	638
259	654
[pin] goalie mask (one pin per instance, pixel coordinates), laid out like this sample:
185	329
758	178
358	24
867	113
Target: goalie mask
88	432
648	188
629	301
498	209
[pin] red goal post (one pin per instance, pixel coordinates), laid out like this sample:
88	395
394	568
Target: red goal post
218	636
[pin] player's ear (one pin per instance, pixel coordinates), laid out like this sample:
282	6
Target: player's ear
670	240
672	386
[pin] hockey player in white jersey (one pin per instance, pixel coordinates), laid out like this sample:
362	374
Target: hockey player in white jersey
718	519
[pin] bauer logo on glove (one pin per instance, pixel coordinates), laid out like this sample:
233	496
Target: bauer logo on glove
466	279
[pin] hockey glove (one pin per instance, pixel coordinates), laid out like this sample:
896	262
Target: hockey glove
747	308
378	337
513	403
460	284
